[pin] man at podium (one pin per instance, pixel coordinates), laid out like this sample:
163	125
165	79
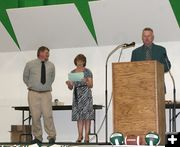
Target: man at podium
151	51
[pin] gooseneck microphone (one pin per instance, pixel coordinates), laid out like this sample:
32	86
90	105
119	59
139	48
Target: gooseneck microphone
129	45
174	94
125	46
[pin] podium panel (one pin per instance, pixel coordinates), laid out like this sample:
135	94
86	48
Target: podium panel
138	98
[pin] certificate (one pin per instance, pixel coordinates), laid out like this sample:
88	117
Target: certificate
78	76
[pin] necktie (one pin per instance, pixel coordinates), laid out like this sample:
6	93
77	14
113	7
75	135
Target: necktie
148	53
43	73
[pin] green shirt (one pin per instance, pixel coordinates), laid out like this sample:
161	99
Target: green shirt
32	75
158	53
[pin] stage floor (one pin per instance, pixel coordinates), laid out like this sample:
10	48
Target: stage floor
69	145
111	146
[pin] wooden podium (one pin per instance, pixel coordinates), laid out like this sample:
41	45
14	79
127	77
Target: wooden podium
138	98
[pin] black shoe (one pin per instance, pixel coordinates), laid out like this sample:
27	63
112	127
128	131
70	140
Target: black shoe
36	141
51	141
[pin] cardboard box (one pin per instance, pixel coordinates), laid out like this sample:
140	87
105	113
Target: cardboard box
21	133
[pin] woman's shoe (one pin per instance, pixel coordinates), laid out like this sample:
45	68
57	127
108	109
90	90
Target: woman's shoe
79	140
86	141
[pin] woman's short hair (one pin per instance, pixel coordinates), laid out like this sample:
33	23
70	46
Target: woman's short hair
42	49
80	57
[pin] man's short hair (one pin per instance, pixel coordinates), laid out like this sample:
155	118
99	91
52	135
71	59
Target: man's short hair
42	49
148	29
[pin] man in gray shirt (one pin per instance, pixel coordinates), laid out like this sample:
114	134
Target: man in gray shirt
38	76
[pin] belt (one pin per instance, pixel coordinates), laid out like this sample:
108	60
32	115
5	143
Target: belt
39	91
75	91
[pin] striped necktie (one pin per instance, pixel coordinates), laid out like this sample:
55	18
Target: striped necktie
148	53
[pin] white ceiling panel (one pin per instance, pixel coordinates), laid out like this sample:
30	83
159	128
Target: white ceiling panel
118	21
115	22
59	26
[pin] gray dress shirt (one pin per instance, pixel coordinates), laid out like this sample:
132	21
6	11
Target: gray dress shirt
32	75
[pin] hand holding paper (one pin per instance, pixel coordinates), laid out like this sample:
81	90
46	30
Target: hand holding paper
79	76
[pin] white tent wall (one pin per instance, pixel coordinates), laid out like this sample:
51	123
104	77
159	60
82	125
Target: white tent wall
13	91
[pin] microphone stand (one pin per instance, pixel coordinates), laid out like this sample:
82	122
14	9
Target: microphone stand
174	104
174	97
120	54
122	46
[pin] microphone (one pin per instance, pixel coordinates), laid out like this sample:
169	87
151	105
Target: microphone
126	45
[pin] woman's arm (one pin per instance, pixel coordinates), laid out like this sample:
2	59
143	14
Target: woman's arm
89	82
69	84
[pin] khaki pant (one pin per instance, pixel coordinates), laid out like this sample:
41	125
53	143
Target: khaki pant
40	104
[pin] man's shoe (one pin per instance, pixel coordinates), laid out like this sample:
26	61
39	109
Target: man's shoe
51	141
36	141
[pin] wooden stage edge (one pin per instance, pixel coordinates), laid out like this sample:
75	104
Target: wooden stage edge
70	144
86	146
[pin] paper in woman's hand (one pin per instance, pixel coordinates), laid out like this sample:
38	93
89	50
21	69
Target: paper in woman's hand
76	76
